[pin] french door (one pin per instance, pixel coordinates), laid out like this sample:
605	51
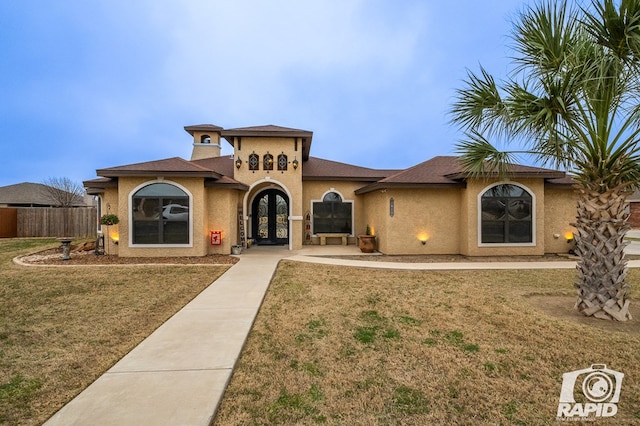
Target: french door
270	218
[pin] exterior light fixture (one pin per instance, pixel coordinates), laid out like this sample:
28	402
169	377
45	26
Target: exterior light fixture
423	237
569	237
295	164
238	163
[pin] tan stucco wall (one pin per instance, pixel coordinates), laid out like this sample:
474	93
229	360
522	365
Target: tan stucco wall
221	214
201	150
560	212
289	181
110	206
418	214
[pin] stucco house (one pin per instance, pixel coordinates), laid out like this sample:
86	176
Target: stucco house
271	191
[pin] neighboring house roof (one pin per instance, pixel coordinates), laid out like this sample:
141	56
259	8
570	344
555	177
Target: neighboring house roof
30	194
271	131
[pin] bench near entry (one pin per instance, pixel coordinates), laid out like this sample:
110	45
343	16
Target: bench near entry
323	237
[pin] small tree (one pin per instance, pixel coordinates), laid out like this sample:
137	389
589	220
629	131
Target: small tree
63	192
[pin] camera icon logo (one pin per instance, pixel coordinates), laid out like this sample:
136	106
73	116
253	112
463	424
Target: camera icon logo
597	389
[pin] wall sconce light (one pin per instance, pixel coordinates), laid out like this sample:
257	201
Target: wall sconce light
238	163
423	237
569	237
295	164
115	238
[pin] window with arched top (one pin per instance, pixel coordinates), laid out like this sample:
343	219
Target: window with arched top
205	139
282	162
254	161
267	162
506	215
160	215
332	214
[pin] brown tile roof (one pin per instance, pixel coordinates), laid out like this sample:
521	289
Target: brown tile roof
271	131
175	166
320	169
217	171
447	171
222	165
203	128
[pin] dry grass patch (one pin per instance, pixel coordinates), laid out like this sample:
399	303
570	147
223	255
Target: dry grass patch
60	328
337	345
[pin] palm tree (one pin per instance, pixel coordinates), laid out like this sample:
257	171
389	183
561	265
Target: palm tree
573	102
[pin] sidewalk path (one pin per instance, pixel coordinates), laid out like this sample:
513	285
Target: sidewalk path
178	374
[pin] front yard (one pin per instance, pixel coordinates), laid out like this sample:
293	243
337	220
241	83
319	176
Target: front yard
336	345
61	328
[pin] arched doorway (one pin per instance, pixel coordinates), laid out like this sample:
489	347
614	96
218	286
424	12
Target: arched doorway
270	217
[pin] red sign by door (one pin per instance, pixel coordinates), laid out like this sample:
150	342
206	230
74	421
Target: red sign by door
216	238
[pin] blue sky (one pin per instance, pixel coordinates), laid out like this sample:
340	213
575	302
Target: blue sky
88	85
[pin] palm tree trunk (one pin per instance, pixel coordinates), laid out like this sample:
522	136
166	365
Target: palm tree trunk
602	268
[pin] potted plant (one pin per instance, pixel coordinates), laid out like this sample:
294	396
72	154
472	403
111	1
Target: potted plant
107	220
367	242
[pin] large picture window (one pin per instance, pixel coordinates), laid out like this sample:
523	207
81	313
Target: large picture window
160	215
506	215
332	214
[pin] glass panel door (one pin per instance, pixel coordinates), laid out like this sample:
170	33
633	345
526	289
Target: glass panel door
270	218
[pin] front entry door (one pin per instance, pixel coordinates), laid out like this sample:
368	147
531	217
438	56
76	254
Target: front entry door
270	217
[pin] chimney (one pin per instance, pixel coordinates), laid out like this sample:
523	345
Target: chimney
206	140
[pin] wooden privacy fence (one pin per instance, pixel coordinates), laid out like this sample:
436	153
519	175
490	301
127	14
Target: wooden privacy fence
78	222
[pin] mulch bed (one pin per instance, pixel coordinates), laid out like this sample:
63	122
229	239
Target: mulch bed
54	257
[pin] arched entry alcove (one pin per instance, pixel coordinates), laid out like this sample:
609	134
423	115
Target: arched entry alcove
270	217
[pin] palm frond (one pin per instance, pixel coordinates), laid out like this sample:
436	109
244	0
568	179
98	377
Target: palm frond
479	158
479	104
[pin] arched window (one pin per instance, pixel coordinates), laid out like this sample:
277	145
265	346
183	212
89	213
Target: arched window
267	162
506	215
160	215
282	162
332	214
254	161
205	139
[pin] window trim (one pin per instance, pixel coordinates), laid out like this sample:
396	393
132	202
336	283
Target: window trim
533	216
344	200
130	215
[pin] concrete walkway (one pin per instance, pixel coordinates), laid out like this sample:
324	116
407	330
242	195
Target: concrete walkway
177	375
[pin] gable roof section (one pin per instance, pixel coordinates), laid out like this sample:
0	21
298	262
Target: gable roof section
216	171
430	173
320	169
271	131
175	166
446	171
